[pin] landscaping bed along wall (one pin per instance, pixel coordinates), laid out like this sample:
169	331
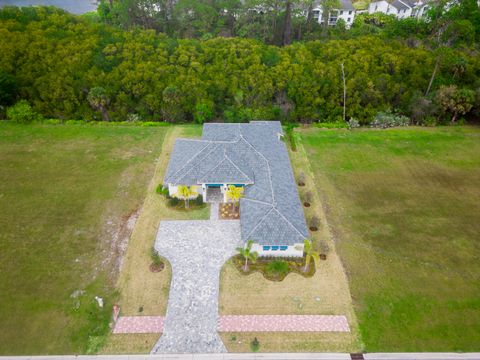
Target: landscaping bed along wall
274	269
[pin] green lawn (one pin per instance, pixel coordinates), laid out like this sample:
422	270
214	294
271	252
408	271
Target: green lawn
66	193
404	206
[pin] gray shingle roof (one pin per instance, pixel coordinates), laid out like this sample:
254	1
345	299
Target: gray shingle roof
399	5
225	172
271	213
343	5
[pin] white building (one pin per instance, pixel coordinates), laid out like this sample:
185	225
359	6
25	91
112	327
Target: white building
254	157
346	12
402	9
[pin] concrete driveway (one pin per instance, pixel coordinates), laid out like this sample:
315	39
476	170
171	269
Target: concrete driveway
197	251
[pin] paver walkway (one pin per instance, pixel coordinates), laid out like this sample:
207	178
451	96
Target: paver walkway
139	325
242	323
197	251
295	323
214	208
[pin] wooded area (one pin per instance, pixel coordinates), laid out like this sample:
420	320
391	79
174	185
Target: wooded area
72	67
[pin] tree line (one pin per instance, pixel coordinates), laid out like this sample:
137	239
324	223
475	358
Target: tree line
71	67
276	22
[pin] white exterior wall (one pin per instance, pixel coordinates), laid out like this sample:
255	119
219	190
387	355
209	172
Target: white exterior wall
404	13
292	251
382	6
347	15
378	7
172	189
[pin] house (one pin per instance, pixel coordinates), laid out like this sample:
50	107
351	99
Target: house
253	156
402	9
346	12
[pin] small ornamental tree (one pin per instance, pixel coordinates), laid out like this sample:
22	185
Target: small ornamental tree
307	198
309	254
248	254
235	193
301	178
98	100
186	193
455	101
314	223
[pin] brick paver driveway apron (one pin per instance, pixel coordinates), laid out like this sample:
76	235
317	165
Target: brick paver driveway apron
197	251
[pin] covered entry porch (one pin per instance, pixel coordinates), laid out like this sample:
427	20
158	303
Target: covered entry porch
216	193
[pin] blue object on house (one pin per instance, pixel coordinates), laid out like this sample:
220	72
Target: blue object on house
266	248
214	185
283	248
274	248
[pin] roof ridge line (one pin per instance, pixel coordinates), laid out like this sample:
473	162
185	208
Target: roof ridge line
268	166
231	162
257	201
188	162
219	163
288	221
404	3
187	139
261	220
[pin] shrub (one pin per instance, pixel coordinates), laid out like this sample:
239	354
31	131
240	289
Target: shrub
76	122
291	137
323	246
331	125
173	201
198	200
132	117
314	223
277	267
386	119
307	197
301	178
52	122
255	345
204	111
22	113
162	190
156	260
353	123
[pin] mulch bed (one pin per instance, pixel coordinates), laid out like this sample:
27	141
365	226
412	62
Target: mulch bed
294	266
228	211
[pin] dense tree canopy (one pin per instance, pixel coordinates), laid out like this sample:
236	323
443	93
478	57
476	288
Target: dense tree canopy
69	67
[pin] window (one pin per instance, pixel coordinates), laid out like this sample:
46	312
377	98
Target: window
283	248
349	20
266	248
341	12
376	7
350	12
275	248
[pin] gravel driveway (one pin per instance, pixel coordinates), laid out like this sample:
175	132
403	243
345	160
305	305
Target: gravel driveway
197	251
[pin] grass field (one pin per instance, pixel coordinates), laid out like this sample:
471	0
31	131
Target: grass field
326	293
69	196
142	292
404	208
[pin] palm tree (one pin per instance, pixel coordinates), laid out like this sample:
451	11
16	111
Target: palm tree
309	254
248	254
235	193
185	193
